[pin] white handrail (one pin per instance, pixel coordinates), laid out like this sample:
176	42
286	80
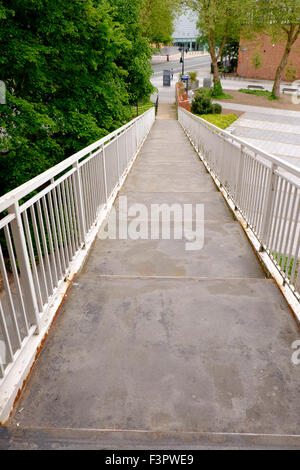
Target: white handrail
263	188
47	238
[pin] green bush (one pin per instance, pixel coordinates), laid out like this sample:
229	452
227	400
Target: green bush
205	91
217	108
202	104
193	76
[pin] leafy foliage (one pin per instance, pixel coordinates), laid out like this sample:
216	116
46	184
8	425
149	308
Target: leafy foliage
134	60
220	23
202	104
281	20
71	69
157	19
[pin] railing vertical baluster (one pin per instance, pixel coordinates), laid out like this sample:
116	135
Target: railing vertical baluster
24	266
269	202
7	342
79	202
118	158
105	174
240	174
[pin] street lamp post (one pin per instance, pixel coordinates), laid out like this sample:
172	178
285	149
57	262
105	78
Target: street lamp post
181	49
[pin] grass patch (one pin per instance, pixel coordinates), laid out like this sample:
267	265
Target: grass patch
223	96
266	93
283	261
208	92
143	107
220	120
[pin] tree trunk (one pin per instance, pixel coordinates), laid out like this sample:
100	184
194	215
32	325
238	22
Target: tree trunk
216	70
280	69
214	57
292	35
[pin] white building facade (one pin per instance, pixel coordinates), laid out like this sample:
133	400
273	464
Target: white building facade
186	32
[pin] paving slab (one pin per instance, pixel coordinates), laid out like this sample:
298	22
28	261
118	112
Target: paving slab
167	168
215	207
269	135
273	131
168	150
224	243
140	181
168	355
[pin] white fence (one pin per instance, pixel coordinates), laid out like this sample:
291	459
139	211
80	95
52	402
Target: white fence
46	227
263	188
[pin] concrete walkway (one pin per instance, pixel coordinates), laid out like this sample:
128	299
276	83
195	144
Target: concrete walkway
157	339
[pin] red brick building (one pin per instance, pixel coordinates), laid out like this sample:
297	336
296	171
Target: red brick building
267	55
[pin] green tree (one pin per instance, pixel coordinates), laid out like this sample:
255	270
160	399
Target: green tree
281	19
157	19
220	21
66	67
136	59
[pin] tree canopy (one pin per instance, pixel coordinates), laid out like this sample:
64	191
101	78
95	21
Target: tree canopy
71	70
281	20
220	21
157	19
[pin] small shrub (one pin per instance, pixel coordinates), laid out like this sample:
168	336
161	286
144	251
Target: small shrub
193	76
205	92
202	104
217	108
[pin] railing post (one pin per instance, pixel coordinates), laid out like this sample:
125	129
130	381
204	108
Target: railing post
136	136
118	158
268	206
19	240
104	172
240	177
126	147
79	202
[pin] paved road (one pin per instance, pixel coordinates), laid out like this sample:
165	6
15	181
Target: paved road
195	63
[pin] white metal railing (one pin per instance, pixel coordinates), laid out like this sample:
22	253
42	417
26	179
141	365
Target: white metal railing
263	188
45	224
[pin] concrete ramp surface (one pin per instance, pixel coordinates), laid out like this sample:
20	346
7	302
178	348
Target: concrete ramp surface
195	346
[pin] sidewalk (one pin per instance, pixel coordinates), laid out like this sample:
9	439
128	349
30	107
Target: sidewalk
275	131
